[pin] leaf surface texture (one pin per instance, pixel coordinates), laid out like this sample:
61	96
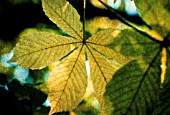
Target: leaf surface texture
65	16
137	91
130	88
68	82
39	49
104	62
155	12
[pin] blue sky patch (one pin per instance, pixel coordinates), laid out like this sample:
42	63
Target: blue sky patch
6	57
130	7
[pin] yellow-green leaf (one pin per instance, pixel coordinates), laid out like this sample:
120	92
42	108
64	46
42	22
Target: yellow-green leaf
134	89
68	79
132	43
39	49
155	12
104	62
97	23
103	37
67	82
65	16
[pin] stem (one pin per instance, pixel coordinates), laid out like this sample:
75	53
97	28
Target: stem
84	33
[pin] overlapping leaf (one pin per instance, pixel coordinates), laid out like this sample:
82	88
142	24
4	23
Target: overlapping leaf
155	12
162	107
138	88
133	44
138	91
103	61
68	79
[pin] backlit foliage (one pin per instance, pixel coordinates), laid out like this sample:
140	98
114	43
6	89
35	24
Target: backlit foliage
128	64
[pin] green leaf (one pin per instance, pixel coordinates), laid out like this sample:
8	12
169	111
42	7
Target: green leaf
37	50
131	88
65	16
155	12
100	22
135	88
43	48
84	108
163	105
68	80
103	61
132	43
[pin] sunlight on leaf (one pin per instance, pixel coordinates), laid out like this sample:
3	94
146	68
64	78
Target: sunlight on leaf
97	23
39	49
133	44
154	12
124	62
96	3
65	16
104	61
67	82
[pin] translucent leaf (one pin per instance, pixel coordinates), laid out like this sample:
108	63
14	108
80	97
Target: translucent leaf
67	82
97	23
104	62
135	88
103	37
40	49
96	3
155	12
65	16
132	43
